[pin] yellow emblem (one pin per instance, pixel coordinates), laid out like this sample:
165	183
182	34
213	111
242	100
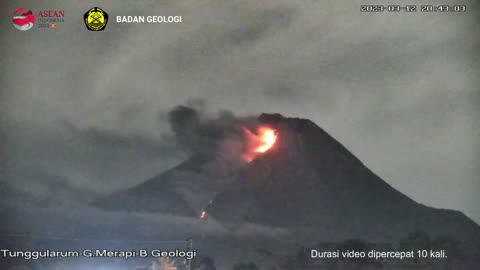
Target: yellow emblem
95	19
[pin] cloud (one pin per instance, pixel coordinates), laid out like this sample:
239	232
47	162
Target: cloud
241	30
256	230
89	158
399	90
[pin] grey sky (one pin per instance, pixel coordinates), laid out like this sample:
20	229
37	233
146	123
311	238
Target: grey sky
399	90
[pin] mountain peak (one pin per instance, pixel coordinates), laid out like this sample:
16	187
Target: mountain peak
306	138
306	179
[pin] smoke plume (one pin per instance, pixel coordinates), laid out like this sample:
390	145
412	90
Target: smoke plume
204	134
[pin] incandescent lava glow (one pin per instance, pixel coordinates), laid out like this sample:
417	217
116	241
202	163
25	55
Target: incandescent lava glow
267	138
259	142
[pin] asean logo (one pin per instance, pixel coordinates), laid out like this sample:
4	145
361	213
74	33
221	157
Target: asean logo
95	19
23	20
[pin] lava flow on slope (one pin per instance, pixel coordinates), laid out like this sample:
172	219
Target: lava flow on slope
259	142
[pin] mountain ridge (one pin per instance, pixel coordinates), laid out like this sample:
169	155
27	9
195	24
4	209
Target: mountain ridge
306	180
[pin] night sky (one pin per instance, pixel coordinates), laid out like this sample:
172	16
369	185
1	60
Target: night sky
398	90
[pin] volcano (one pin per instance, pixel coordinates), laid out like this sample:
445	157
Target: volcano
306	180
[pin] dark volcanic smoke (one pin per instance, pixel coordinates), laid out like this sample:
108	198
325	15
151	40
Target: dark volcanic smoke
224	135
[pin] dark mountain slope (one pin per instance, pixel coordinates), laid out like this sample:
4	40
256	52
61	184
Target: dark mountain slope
183	190
310	180
307	181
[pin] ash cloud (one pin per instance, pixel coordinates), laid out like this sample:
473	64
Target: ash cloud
398	99
202	134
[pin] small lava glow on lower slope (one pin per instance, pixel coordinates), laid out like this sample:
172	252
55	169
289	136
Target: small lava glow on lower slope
259	142
255	144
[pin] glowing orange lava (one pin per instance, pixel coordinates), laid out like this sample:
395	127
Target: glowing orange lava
258	143
267	138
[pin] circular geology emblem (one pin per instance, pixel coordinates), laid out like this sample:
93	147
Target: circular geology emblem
96	19
23	20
